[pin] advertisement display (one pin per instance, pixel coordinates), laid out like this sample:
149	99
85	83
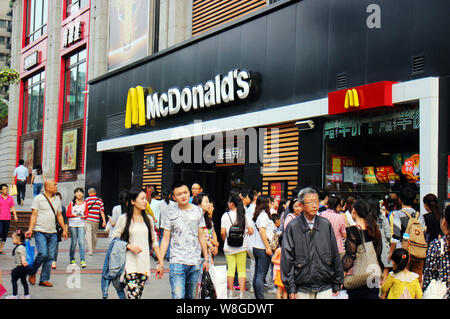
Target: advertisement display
28	155
128	32
69	148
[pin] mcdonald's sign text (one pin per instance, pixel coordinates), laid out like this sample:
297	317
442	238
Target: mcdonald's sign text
143	104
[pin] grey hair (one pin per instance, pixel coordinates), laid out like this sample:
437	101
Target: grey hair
92	190
304	192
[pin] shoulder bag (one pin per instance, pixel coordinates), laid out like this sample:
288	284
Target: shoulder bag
437	289
59	230
365	266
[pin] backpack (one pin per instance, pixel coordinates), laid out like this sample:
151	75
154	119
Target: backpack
235	235
417	245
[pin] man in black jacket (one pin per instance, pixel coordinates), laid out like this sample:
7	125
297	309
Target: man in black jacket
310	263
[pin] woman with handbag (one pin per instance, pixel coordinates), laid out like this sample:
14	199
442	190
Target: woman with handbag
437	264
362	258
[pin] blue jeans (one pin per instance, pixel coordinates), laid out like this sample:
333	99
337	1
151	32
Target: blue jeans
183	280
77	235
262	263
37	187
46	251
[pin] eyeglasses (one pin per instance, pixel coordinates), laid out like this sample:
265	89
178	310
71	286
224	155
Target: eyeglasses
311	203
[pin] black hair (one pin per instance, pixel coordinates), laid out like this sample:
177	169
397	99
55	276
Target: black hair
197	200
349	203
132	196
240	210
407	195
323	193
295	192
363	210
374	207
179	184
21	234
243	193
262	205
280	206
123	200
333	202
3	185
58	194
39	169
78	189
433	204
401	258
21	162
166	196
291	205
275	217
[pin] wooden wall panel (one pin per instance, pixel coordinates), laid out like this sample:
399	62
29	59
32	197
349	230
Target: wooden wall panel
207	14
280	162
153	177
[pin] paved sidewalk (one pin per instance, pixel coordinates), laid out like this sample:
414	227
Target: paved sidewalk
85	284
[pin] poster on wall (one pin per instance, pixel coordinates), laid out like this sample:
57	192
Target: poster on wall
28	155
128	31
69	149
277	190
411	168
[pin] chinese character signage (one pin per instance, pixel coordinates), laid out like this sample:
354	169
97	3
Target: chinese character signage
393	122
411	168
277	190
72	33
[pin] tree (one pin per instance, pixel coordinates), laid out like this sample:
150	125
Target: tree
8	77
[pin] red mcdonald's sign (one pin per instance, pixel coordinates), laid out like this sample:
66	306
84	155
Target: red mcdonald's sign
360	98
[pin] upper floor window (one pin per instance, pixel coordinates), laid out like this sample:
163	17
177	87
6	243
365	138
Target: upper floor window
4	23
73	6
75	85
37	14
34	103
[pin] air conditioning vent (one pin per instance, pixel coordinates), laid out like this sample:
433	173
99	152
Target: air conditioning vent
341	81
418	64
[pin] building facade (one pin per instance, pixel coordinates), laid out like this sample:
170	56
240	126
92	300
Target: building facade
58	46
321	89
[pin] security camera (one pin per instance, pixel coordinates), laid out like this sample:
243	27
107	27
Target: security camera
304	125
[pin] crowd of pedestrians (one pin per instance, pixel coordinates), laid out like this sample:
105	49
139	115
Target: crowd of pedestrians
314	245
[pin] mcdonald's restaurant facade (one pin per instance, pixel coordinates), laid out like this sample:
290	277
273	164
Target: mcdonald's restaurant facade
328	100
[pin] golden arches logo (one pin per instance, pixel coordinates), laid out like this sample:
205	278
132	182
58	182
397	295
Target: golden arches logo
135	110
351	99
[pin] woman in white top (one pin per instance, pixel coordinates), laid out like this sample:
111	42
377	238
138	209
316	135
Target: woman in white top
37	180
236	256
119	209
76	216
261	248
138	230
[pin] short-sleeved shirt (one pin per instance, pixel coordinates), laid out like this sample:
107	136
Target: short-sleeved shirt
226	223
263	221
38	178
183	226
20	251
46	221
21	172
5	207
401	222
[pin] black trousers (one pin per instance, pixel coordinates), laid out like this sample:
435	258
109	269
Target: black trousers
21	187
20	272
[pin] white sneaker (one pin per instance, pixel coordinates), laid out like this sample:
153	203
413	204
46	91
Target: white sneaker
241	295
11	297
231	294
25	297
273	291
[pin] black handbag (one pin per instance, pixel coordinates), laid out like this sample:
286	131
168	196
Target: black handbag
208	291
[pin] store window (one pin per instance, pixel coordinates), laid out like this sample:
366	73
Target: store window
73	6
34	103
37	14
372	154
75	84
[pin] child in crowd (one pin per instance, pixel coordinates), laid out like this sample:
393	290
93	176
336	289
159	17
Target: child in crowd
401	283
21	270
281	290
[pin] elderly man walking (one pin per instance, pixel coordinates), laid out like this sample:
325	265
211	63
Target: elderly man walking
95	209
310	263
45	213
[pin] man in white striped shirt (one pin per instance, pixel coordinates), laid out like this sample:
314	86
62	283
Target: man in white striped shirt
95	209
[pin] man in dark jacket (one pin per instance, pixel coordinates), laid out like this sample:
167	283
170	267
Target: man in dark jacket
310	263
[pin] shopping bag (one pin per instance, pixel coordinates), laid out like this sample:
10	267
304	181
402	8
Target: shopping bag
2	290
207	290
30	250
12	190
219	278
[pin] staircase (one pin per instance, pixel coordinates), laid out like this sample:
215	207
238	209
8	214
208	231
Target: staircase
23	223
